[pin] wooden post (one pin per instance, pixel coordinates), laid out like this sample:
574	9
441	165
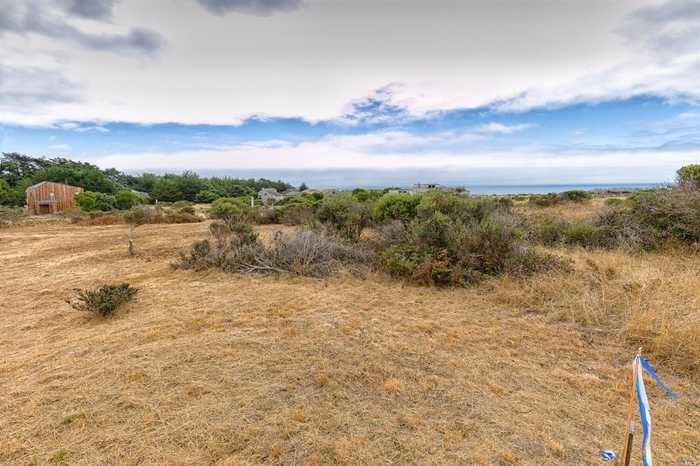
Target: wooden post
629	433
628	451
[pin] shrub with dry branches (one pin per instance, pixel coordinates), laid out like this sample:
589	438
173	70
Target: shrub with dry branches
237	248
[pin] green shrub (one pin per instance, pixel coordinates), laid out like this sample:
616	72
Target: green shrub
90	201
344	214
580	234
103	301
689	176
544	200
231	209
125	199
458	241
618	227
401	207
576	195
673	214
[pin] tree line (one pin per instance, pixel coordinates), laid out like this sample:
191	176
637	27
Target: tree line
19	171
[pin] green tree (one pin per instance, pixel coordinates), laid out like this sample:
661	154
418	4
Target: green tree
85	176
126	199
7	194
167	190
303	187
689	176
15	167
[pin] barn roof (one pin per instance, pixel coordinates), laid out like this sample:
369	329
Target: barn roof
34	186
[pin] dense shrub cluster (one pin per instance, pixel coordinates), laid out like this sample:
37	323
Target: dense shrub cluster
103	301
456	240
646	220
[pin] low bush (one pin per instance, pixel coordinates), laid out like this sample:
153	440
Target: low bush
672	213
231	209
618	227
300	214
305	252
344	215
544	200
9	215
576	195
402	207
103	301
184	207
561	232
552	199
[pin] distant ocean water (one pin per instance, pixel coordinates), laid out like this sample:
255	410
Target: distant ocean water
554	188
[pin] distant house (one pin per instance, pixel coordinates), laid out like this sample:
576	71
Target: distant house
269	195
423	187
48	197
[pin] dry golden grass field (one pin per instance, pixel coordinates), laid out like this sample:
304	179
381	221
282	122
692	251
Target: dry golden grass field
222	369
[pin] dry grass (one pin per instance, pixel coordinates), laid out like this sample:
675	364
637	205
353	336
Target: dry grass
214	368
570	211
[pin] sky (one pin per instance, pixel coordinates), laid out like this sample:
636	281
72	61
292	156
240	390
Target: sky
357	92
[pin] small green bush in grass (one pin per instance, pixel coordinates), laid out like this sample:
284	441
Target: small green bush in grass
544	200
105	300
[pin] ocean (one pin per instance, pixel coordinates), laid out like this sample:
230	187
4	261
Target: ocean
554	188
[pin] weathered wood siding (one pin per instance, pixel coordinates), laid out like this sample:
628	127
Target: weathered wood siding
41	201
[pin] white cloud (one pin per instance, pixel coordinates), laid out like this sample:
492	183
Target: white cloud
313	61
499	128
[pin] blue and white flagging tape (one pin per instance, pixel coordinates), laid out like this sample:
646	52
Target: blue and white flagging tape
641	365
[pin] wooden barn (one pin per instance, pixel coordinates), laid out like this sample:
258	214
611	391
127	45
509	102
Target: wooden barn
48	197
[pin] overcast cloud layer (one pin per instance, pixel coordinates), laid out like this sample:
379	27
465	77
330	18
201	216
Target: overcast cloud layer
319	84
